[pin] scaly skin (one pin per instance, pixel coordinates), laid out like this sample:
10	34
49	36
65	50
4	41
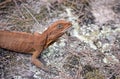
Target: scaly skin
33	43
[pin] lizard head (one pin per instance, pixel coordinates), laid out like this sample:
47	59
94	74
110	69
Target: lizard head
56	30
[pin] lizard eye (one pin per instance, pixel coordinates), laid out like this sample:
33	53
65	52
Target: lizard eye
59	26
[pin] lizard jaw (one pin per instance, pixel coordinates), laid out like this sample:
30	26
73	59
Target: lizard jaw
67	27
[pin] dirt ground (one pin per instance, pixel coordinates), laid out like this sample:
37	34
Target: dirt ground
89	50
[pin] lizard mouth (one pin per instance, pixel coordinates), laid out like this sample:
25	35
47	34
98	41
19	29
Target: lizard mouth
67	27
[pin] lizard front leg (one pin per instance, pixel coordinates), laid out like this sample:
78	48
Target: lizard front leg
37	62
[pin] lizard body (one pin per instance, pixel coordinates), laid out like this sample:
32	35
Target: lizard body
33	43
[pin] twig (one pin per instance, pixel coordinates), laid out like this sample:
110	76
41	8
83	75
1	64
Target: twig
4	2
4	24
19	9
31	14
78	75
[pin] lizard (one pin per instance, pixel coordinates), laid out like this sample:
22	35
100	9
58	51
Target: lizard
33	43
